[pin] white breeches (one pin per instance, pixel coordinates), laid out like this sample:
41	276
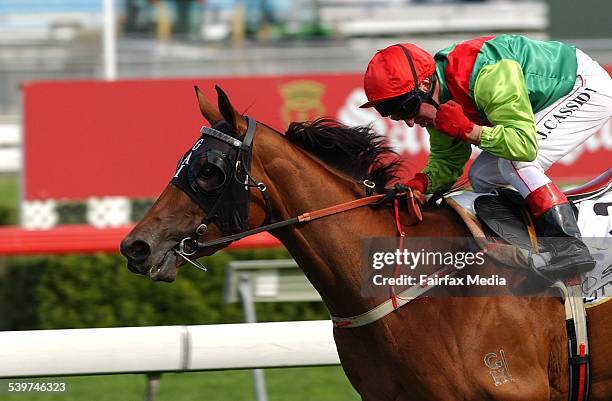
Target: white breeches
561	127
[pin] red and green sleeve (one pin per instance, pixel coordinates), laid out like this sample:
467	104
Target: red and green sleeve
447	159
500	92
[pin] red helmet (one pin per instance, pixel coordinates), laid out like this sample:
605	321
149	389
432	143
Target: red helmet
390	74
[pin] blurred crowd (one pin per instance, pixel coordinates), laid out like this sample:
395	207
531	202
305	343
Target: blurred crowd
260	18
198	19
186	18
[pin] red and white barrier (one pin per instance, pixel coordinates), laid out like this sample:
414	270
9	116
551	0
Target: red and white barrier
70	239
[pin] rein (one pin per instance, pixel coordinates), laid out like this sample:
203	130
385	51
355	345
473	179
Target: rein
189	246
303	218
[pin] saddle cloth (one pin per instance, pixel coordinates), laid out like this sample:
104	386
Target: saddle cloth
595	223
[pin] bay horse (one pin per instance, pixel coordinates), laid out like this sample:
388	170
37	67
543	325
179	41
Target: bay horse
433	349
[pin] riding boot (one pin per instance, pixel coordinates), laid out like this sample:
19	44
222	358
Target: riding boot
559	234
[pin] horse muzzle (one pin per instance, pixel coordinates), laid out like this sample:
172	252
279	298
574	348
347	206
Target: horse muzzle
141	260
137	252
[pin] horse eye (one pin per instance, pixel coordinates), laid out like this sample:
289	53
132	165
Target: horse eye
207	172
209	178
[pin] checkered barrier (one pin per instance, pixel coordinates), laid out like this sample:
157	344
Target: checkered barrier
99	212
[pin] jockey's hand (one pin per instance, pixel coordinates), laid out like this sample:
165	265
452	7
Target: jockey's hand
418	184
451	120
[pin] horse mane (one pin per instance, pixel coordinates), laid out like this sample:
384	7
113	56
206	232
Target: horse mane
359	152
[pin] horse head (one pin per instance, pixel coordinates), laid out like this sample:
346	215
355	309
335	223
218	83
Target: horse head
240	174
208	195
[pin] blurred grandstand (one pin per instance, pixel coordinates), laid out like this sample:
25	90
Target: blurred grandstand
56	39
62	39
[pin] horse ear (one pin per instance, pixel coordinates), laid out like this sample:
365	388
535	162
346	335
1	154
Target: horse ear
210	113
230	115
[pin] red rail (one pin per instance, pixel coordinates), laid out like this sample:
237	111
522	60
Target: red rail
87	239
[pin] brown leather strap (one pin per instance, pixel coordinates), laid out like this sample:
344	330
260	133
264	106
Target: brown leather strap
414	210
509	255
530	229
343	207
305	217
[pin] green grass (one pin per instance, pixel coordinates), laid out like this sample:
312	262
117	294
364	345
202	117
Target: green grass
9	198
295	384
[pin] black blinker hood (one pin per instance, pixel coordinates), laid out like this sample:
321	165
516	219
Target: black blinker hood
226	203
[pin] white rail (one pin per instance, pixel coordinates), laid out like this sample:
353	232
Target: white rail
166	348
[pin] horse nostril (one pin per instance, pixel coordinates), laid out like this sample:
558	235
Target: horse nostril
138	251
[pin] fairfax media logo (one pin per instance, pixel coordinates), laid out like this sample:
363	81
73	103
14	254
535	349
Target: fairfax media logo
566	111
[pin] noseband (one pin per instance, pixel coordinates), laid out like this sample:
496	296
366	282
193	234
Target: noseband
215	174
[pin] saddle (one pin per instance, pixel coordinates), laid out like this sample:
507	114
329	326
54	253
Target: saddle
506	216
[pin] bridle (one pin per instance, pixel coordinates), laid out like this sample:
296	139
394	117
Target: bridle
227	203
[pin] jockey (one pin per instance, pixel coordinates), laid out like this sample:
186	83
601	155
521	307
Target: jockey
525	103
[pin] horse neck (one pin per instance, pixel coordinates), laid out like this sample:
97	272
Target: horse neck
328	250
297	183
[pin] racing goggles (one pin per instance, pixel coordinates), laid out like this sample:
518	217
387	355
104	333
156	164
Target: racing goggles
403	107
